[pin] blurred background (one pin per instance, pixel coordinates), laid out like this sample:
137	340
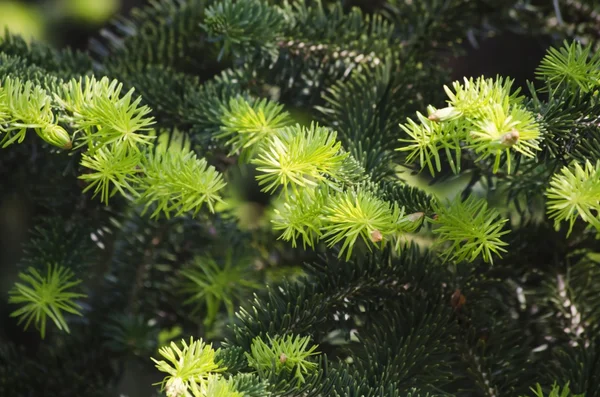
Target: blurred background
61	22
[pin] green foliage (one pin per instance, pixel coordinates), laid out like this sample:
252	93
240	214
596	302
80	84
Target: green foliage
300	216
249	125
210	284
361	108
103	115
556	391
16	67
42	297
328	24
575	193
24	106
485	116
427	139
130	334
109	170
114	130
250	385
355	214
319	43
56	239
568	121
215	387
241	26
177	181
64	64
189	368
283	354
299	157
191	105
573	66
578	365
341	216
163	33
473	229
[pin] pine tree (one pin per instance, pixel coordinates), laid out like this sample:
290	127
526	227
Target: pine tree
361	274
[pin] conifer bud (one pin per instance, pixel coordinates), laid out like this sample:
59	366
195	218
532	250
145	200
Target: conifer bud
282	358
55	135
411	222
175	387
457	300
444	114
376	236
510	138
415	216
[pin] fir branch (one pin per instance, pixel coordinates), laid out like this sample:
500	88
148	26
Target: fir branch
211	285
363	110
300	216
249	125
427	139
497	363
429	26
286	354
353	214
161	33
322	43
300	157
112	169
242	27
176	182
105	116
193	364
473	229
64	64
55	239
573	193
24	105
46	296
572	66
484	115
307	307
250	385
399	358
578	365
18	67
556	391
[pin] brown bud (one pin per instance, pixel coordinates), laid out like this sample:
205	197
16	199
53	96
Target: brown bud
457	300
282	358
376	236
